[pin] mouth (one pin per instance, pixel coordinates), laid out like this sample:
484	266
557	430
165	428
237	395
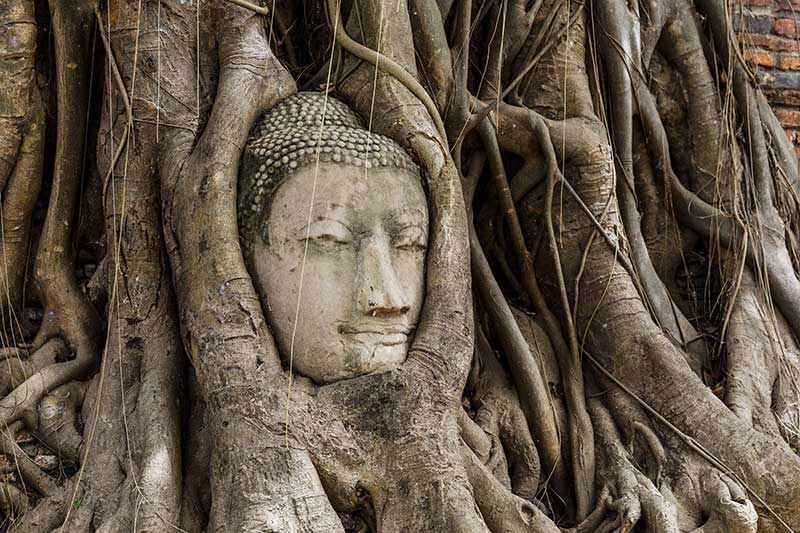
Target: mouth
377	335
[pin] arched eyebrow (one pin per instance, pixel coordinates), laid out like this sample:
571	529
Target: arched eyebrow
407	216
410	213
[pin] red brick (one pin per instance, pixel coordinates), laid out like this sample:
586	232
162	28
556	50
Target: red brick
769	31
759	57
785	27
788	117
790	62
772	42
783	97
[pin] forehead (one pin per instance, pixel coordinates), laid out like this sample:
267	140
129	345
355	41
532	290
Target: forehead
352	191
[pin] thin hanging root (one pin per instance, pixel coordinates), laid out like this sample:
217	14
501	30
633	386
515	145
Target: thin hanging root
712	223
125	100
252	7
620	50
480	115
741	80
573	377
580	428
389	65
518	133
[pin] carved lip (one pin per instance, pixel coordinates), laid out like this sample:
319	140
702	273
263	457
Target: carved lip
389	335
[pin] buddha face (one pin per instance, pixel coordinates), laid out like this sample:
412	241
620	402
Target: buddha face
363	278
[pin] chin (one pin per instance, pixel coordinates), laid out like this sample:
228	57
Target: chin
370	359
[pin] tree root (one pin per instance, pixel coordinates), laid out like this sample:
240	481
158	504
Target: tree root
582	461
19	367
634	495
500	416
68	314
528	380
25	397
56	423
726	505
620	48
763	365
394	69
502	511
30	473
13	502
21	154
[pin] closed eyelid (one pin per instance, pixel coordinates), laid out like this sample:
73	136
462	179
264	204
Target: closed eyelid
415	232
324	225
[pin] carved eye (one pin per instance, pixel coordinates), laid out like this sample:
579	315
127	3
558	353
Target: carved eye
411	238
328	232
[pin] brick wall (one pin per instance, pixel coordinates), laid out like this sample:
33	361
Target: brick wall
770	33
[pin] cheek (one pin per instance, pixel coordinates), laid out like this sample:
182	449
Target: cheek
278	284
410	268
327	290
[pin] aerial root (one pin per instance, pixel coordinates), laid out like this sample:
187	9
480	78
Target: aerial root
528	379
656	450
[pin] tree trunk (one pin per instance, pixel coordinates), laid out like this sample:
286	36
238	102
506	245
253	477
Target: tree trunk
609	338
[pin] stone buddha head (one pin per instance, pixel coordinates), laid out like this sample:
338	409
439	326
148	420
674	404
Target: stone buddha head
333	224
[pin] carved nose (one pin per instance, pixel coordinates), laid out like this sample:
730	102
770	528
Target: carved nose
380	290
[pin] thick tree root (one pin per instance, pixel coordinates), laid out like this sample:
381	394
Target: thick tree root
21	155
763	366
